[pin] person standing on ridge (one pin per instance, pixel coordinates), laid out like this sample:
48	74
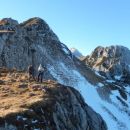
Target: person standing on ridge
40	73
31	72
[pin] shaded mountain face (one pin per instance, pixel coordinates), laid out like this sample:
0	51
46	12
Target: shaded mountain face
76	53
49	105
113	62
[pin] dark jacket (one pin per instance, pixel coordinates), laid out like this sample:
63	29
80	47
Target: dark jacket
31	70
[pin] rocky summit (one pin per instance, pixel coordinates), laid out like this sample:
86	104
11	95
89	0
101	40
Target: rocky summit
112	62
31	42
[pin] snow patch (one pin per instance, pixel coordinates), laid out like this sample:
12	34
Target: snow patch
127	89
118	77
65	49
100	85
34	121
110	81
97	73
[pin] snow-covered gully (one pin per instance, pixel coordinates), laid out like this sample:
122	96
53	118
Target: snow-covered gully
112	113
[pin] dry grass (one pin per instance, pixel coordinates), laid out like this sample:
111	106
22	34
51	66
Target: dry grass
17	93
6	31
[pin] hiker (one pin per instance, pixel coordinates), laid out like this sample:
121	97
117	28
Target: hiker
40	73
31	72
101	52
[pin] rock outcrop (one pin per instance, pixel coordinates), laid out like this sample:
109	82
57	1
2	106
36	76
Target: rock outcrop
113	62
31	42
46	106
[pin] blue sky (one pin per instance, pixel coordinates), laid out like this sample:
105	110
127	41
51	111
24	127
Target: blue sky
83	24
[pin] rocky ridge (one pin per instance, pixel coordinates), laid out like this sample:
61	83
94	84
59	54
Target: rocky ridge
30	105
112	62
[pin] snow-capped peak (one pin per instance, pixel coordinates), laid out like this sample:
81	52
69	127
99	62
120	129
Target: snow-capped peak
76	52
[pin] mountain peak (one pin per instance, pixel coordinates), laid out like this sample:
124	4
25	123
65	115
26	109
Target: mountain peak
8	21
76	52
33	21
111	60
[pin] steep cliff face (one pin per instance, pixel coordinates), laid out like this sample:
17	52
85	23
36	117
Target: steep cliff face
31	42
111	61
48	106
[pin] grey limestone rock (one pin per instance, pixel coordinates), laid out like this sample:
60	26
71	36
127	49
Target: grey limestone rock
114	61
31	42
